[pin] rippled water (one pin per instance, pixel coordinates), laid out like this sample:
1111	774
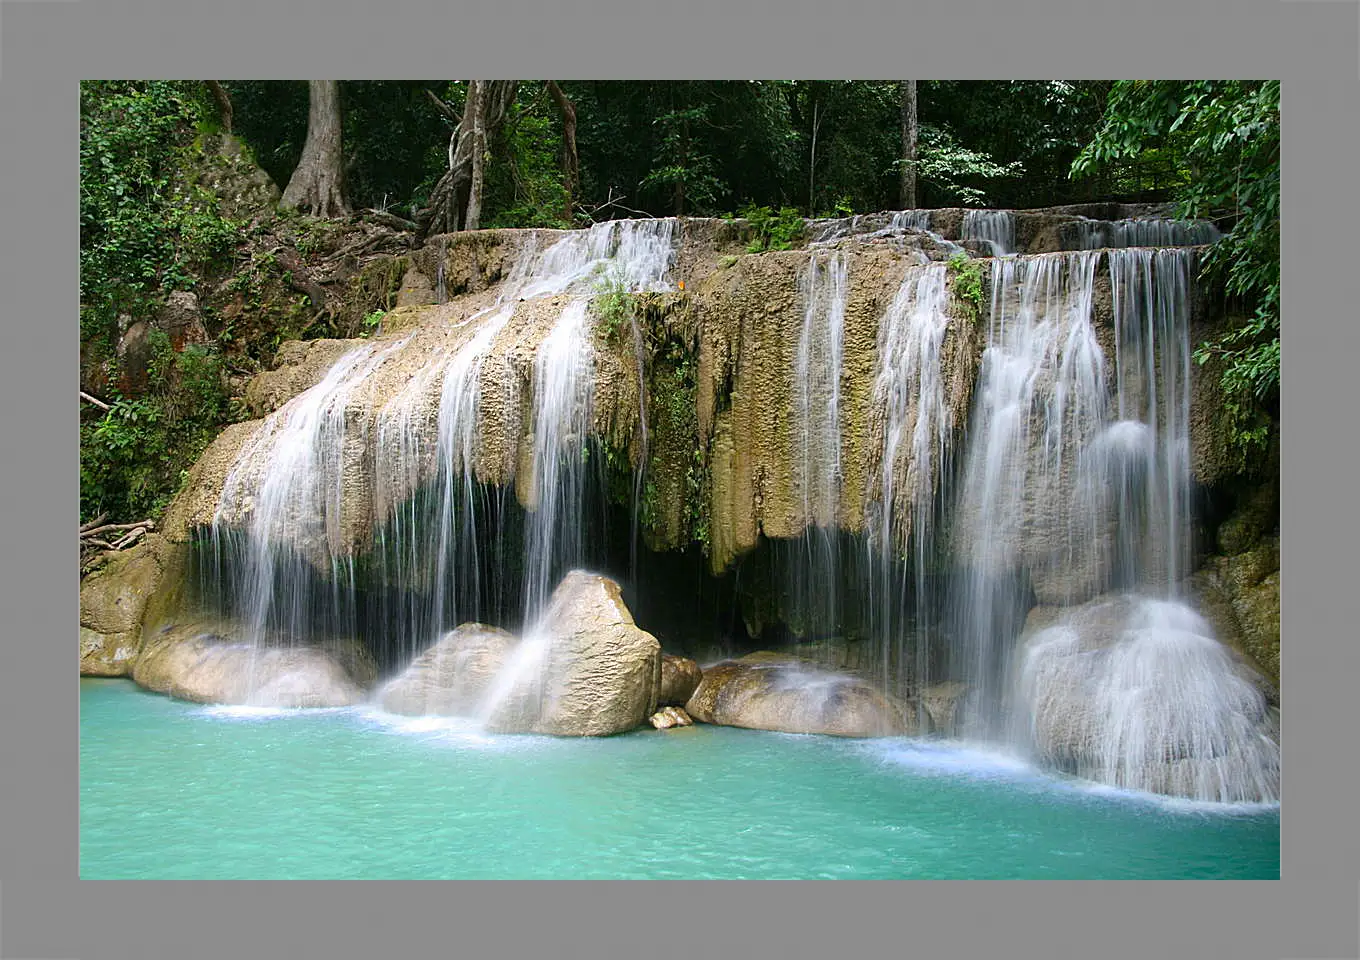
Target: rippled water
175	790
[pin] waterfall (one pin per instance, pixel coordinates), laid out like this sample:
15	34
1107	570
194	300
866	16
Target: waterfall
915	418
282	560
1147	232
993	227
562	398
1039	397
817	418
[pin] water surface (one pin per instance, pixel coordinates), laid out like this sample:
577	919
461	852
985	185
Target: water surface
171	790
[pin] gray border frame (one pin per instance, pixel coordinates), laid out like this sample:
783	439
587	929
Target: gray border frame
47	913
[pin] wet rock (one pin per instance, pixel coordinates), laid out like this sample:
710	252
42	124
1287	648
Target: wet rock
680	677
416	289
1137	693
208	662
941	702
585	670
668	718
452	677
770	691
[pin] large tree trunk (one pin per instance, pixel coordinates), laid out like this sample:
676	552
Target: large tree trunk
318	183
451	200
571	166
476	110
908	144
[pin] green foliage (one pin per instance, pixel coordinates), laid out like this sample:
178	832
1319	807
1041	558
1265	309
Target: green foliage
144	230
525	186
682	167
372	320
949	166
135	458
965	282
615	306
1224	137
771	231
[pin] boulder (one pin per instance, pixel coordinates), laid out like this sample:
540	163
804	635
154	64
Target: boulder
680	677
668	718
451	678
113	603
770	691
1137	693
205	663
585	669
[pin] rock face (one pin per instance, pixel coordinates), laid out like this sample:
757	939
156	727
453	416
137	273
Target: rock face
203	663
453	677
1137	693
1240	596
113	602
679	679
769	691
584	670
942	703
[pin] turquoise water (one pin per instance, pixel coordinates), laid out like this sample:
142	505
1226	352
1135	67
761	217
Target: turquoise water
171	790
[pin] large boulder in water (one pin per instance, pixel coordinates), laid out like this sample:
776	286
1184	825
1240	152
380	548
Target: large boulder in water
770	691
680	677
1137	693
204	663
585	669
451	678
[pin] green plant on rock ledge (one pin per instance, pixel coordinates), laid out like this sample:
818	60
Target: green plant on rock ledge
771	231
965	283
614	305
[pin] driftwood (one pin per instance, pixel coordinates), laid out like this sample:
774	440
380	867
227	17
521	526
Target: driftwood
95	536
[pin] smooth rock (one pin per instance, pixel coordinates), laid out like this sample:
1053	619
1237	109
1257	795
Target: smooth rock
585	669
452	677
205	663
770	691
668	718
680	677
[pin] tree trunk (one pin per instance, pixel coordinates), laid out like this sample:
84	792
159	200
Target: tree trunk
476	109
812	162
223	99
451	198
571	166
317	185
908	144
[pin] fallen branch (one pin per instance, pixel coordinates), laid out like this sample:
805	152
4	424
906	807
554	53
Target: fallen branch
87	527
94	400
389	220
109	527
130	539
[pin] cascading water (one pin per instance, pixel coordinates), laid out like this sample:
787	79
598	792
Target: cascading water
817	411
284	563
1131	688
1039	397
994	227
1149	232
916	420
